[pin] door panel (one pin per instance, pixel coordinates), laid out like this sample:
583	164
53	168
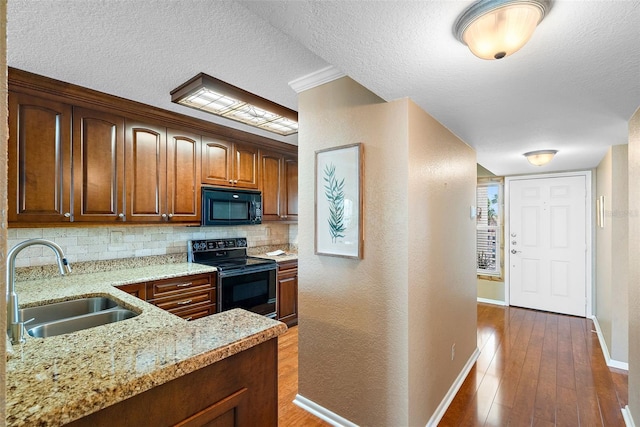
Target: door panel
216	166
39	166
98	151
183	176
548	244
146	172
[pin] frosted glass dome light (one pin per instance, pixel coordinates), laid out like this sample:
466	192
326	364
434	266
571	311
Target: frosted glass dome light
493	29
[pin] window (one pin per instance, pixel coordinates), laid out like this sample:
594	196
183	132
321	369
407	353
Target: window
489	228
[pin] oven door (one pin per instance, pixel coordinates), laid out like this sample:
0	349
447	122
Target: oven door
250	288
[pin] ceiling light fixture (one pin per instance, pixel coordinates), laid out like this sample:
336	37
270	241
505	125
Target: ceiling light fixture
493	29
540	157
209	94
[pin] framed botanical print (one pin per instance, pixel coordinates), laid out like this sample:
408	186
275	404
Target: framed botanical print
338	201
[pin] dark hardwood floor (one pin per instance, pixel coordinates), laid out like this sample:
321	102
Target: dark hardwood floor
535	369
538	369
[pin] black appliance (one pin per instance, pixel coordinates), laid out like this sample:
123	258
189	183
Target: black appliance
229	206
243	281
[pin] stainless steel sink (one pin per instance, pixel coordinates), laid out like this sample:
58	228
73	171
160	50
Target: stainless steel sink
73	324
71	316
65	309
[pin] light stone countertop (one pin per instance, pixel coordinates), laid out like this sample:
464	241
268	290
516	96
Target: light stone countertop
56	380
288	256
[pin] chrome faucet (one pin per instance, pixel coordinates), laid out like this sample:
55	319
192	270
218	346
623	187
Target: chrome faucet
15	328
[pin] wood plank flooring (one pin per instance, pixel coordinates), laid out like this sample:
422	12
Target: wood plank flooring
535	369
538	369
289	414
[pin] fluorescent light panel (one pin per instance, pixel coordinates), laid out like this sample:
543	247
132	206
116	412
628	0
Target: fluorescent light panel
214	96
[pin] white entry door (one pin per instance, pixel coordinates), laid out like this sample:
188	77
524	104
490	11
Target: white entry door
547	244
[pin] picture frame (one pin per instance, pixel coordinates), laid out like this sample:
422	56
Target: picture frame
339	201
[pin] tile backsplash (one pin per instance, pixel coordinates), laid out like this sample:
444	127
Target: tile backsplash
103	243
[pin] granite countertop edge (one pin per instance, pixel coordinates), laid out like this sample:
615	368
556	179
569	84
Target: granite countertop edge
59	379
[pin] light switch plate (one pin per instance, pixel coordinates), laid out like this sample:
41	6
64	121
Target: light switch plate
473	212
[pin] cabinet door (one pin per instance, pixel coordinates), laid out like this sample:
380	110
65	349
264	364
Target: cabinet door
270	180
146	165
39	167
245	166
138	290
288	293
98	165
216	162
183	176
290	201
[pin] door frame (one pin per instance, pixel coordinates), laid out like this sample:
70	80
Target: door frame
589	210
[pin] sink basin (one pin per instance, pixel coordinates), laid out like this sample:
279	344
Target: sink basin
73	324
65	309
71	316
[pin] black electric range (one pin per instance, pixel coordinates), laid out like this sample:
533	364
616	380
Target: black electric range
243	281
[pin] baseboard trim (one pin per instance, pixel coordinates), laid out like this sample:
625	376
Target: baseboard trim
628	419
322	412
492	301
453	390
612	363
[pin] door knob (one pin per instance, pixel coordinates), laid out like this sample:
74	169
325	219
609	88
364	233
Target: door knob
513	251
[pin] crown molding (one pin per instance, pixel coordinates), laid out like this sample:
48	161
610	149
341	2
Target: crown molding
317	78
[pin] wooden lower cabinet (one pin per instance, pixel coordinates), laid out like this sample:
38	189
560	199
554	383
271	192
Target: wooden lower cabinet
288	292
241	390
138	290
189	297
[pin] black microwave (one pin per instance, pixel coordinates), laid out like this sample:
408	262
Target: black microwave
229	206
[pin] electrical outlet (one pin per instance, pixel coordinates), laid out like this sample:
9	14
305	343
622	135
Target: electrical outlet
453	351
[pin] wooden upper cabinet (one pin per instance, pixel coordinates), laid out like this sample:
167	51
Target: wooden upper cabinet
146	172
279	185
291	188
228	164
245	166
39	168
98	166
216	162
271	180
183	176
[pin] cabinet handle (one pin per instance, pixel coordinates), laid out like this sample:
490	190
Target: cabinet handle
230	181
67	215
121	215
164	216
170	216
184	302
188	318
235	181
182	285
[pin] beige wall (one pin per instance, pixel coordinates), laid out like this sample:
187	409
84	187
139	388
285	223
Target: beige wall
442	261
368	326
611	309
3	195
634	266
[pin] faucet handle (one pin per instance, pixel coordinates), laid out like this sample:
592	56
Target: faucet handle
66	267
18	330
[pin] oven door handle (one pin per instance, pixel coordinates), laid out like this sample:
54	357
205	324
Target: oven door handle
246	270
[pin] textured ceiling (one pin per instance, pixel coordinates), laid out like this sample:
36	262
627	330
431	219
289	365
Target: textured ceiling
573	87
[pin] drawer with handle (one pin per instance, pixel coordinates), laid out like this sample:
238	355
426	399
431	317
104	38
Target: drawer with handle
179	285
187	299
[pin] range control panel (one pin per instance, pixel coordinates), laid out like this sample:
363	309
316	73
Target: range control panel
209	245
